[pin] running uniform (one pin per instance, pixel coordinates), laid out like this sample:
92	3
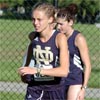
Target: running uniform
43	87
75	75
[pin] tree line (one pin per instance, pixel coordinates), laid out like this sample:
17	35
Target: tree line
88	9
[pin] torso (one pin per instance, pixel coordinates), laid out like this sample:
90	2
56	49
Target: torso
46	55
75	75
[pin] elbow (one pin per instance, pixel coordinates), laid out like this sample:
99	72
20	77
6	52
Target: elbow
64	73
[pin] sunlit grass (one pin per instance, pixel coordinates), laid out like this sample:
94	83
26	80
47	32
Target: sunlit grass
14	40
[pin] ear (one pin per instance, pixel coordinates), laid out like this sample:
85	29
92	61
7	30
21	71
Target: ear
71	22
51	19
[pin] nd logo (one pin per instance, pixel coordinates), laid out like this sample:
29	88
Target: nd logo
45	55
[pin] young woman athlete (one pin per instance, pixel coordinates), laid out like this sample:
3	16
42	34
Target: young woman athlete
80	67
50	53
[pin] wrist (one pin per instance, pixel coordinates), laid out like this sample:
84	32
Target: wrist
84	87
38	71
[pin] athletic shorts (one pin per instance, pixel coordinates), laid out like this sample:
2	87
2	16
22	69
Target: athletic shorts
45	95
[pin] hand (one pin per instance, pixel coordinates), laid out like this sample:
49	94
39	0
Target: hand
26	70
81	94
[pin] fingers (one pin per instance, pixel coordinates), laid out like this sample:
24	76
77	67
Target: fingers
26	70
21	71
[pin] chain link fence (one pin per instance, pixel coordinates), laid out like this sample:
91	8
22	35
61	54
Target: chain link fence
14	30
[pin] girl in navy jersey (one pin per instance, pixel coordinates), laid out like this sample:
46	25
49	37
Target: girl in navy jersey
77	79
50	53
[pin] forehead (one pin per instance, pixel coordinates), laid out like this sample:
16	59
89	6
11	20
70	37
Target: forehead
39	14
61	20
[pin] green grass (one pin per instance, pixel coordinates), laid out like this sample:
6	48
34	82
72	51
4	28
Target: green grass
14	40
11	96
92	99
13	43
20	96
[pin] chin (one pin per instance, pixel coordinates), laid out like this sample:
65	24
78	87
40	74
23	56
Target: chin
60	31
37	30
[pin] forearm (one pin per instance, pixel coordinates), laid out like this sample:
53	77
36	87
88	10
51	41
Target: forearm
87	73
29	55
57	72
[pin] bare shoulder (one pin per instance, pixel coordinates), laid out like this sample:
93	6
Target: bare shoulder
61	36
61	39
80	39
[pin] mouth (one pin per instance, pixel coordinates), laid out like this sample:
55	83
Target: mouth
60	30
36	27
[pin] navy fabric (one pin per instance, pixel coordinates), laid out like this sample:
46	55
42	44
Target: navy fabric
58	94
45	55
75	75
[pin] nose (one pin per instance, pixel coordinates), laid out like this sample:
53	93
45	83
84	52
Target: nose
58	27
34	22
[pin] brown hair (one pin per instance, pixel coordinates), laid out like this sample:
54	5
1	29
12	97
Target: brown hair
68	13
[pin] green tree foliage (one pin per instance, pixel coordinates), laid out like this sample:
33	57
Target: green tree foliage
88	9
12	2
64	3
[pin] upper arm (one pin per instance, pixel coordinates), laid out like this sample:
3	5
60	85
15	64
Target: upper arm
63	47
29	54
81	43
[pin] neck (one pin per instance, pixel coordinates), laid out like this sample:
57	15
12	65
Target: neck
69	33
45	35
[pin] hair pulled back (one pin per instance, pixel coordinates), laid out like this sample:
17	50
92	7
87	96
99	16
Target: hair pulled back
68	13
48	8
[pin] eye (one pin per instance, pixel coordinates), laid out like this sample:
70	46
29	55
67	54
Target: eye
59	24
39	19
33	19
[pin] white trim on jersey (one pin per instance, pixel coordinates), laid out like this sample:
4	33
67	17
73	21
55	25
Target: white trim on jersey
77	61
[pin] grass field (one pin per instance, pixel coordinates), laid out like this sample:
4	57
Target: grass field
11	96
20	96
14	40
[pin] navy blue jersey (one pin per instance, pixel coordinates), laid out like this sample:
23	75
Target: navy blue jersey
75	75
46	53
46	56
